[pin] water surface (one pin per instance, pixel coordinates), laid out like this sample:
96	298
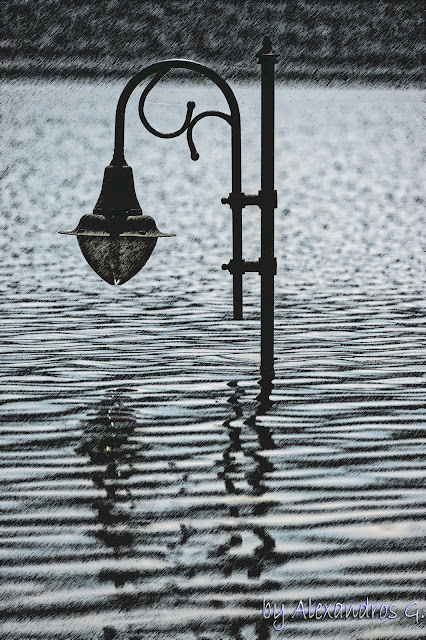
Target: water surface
146	489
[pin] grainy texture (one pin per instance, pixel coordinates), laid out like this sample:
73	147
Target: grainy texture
329	41
145	489
145	492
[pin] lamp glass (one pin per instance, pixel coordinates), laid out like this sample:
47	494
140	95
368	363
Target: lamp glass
116	259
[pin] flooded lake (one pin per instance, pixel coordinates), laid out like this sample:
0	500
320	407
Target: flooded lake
148	488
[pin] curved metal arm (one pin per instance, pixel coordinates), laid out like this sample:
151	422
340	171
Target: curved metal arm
159	69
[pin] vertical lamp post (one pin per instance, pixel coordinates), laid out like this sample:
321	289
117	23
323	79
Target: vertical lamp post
117	239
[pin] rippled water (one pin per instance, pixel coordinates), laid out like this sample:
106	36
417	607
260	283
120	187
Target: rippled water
148	488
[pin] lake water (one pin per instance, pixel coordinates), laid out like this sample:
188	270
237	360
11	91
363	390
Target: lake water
146	490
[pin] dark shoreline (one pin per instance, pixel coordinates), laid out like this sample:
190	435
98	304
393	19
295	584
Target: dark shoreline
336	75
320	41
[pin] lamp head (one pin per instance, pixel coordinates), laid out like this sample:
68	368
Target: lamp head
117	239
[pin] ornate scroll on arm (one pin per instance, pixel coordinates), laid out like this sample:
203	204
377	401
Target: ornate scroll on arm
188	124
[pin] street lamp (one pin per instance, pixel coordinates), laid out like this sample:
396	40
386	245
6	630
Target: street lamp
117	239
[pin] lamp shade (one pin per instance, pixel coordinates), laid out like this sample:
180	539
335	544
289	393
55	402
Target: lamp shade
117	239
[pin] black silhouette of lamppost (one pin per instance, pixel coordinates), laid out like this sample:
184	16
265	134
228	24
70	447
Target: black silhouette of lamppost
117	239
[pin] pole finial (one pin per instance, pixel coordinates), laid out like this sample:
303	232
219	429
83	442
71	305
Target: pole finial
267	43
266	50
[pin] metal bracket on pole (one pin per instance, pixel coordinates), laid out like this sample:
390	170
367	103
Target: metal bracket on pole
241	200
263	266
241	266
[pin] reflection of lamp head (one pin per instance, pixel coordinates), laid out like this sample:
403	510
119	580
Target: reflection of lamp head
117	239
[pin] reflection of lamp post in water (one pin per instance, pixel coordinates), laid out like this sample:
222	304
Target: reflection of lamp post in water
117	239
